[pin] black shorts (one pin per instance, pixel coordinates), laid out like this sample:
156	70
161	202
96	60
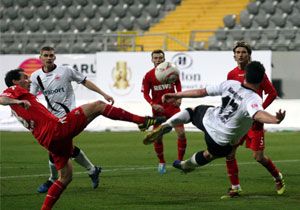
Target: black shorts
197	120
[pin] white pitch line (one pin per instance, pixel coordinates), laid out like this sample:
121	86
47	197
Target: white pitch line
135	169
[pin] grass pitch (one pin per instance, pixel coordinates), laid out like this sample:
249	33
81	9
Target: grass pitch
130	179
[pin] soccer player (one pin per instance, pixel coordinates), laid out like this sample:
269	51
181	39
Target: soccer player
223	126
56	134
255	139
157	89
55	84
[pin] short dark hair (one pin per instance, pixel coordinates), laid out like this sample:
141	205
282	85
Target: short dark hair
12	75
255	72
157	52
46	48
242	44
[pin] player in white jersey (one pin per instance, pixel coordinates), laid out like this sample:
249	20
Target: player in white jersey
55	84
223	126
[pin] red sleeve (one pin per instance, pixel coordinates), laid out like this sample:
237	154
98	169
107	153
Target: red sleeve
14	92
178	86
146	89
269	90
229	76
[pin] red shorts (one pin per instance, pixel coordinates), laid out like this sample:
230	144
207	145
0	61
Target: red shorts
255	138
61	145
169	112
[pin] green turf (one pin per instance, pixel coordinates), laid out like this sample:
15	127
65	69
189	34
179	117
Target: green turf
130	180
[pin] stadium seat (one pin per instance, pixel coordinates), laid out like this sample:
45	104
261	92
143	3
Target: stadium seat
94	47
74	11
27	13
281	44
262	19
152	10
111	24
63	48
80	24
229	21
214	44
198	45
52	3
78	47
96	24
221	34
135	10
4	26
271	32
43	13
264	43
294	18
22	3
7	3
59	13
17	25
279	19
269	7
120	10
127	23
113	2
64	25
253	34
82	3
37	3
16	48
67	3
48	25
143	23
11	13
33	25
246	19
98	2
253	7
237	33
129	2
286	6
287	33
89	11
105	12
144	2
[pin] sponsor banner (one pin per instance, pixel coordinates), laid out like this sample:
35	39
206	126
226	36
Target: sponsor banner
120	74
84	63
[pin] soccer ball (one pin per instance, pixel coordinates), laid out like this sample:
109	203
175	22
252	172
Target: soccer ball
167	73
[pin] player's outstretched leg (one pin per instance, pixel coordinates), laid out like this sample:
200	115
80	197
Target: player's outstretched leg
185	166
157	133
95	177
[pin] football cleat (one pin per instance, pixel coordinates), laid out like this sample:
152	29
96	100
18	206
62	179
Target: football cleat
232	193
162	168
156	133
95	177
43	188
149	121
280	185
180	165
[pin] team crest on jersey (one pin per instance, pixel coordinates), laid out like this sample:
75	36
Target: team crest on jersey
255	106
57	77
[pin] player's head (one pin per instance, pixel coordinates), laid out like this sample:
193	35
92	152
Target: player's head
157	57
242	53
17	77
47	56
255	72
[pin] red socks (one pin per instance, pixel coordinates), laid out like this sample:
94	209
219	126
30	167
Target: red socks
233	171
269	165
114	113
53	195
159	149
181	146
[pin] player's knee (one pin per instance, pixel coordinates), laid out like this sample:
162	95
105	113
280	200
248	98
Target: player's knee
258	157
75	152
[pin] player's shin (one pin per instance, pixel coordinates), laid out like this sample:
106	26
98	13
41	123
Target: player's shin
182	117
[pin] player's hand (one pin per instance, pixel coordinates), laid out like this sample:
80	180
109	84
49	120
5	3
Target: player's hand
24	103
157	107
280	115
109	99
167	98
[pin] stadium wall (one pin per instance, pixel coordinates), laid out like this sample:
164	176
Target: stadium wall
120	75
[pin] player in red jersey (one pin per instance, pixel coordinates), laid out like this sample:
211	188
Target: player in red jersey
157	89
56	134
255	137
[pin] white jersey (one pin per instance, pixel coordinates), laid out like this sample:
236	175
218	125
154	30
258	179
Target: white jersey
57	87
229	122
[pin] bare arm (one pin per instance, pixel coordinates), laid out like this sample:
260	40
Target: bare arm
265	117
197	93
10	101
90	85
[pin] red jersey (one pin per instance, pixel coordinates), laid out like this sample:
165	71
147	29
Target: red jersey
36	118
157	89
265	86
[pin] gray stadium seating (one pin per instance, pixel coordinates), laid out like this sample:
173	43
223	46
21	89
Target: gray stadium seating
229	21
64	25
98	2
52	3
96	24
22	3
37	3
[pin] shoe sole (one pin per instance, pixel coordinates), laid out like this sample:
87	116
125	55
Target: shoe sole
157	133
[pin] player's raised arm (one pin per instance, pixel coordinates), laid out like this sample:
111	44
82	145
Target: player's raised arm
197	93
265	117
10	101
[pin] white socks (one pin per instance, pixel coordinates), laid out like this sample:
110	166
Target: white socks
82	160
182	117
53	172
